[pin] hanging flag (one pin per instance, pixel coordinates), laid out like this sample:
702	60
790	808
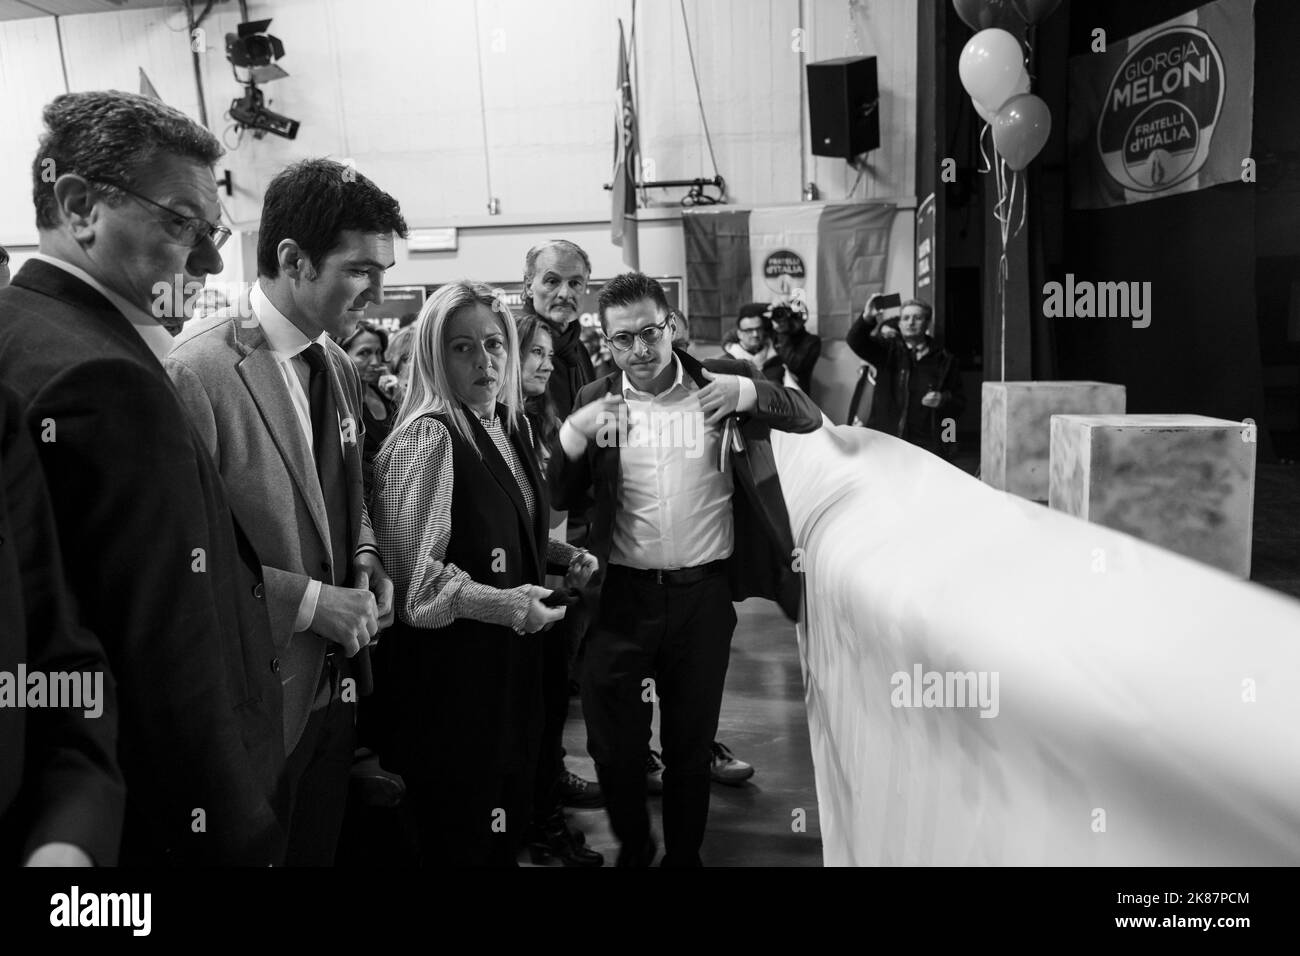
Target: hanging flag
623	215
828	256
1165	111
146	87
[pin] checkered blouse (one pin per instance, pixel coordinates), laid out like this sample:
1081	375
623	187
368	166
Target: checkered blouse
410	512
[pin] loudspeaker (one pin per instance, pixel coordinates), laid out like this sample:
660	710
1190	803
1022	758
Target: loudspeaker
843	106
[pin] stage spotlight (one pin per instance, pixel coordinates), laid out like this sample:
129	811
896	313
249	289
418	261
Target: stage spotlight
256	50
250	112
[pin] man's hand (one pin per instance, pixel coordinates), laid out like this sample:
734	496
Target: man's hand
59	854
932	399
370	575
869	310
886	331
720	398
592	417
581	568
346	616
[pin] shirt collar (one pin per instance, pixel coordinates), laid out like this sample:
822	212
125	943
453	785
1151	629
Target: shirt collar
285	338
156	337
677	382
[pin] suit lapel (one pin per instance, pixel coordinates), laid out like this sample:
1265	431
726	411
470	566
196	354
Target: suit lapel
497	467
541	516
41	277
265	382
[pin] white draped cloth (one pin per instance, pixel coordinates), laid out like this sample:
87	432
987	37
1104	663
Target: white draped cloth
1149	706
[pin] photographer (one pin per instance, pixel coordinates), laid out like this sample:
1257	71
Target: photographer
918	384
798	348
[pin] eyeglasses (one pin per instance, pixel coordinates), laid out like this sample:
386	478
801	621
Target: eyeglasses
650	335
187	230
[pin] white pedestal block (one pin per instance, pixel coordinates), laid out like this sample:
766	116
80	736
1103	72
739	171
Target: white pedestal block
1184	482
1016	428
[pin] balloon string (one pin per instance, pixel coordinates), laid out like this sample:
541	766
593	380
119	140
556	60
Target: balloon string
988	166
1002	298
1024	202
1004	225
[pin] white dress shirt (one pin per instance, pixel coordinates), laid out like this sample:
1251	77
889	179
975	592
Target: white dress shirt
674	505
287	343
155	335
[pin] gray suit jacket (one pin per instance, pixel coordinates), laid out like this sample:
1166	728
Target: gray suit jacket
232	388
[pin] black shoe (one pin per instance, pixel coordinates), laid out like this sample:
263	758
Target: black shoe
578	793
641	857
557	843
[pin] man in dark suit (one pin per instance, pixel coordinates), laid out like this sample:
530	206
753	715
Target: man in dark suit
279	406
688	518
126	204
61	795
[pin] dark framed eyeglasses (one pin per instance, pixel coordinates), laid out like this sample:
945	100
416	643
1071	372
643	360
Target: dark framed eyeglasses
650	335
187	230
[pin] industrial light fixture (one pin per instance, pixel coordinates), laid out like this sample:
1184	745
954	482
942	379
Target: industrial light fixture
256	51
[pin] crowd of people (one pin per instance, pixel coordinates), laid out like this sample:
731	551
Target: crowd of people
277	553
287	544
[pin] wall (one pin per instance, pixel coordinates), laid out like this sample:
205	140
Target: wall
394	86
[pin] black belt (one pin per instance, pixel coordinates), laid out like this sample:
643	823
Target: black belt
674	577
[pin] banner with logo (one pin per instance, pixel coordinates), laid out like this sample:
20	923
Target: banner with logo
1165	111
829	256
925	249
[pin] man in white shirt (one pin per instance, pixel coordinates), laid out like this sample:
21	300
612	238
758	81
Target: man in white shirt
688	518
279	404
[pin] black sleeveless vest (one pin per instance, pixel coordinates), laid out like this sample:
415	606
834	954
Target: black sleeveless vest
466	698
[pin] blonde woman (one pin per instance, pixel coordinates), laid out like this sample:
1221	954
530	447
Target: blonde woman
460	514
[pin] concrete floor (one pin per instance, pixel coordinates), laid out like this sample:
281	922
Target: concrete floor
764	723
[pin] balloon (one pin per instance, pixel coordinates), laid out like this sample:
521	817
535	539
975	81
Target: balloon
1021	128
990	66
983	14
1035	11
986	114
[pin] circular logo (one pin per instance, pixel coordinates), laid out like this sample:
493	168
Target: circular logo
783	271
1161	110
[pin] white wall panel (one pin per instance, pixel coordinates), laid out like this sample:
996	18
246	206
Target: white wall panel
394	85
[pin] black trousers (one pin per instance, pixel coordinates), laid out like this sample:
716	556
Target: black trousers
555	711
679	637
317	774
469	819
